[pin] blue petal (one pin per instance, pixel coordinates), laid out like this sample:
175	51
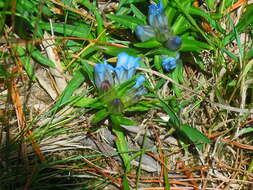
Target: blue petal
126	67
121	75
169	63
99	75
160	5
155	9
157	17
159	20
122	59
103	72
139	81
141	92
144	32
135	95
174	43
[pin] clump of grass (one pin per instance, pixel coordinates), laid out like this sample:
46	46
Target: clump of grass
192	128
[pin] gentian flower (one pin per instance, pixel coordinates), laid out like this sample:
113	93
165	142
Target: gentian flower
169	63
103	76
158	27
157	17
137	90
144	32
126	67
107	76
139	81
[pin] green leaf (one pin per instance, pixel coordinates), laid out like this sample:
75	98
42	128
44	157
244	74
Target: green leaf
137	108
194	135
125	183
184	9
121	142
210	4
138	13
245	20
114	51
157	63
232	83
161	51
88	69
74	83
127	21
249	54
245	131
151	43
25	60
85	102
99	116
213	23
181	25
123	2
237	37
81	30
194	45
36	55
124	121
99	19
177	75
173	117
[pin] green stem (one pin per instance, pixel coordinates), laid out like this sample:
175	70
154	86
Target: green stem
121	145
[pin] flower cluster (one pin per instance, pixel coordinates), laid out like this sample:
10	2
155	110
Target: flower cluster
158	28
107	76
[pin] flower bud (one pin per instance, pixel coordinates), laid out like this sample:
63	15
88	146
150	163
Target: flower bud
116	106
174	43
169	63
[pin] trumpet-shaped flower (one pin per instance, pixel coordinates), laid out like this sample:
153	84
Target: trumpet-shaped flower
144	32
106	76
139	81
169	63
156	16
158	27
103	76
126	67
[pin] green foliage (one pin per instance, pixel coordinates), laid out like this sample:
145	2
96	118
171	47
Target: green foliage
83	36
126	21
186	133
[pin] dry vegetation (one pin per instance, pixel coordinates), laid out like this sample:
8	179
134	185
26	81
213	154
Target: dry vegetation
48	139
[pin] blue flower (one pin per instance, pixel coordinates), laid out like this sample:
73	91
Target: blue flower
169	63
144	32
138	90
156	16
106	76
174	43
139	81
159	28
103	76
126	67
